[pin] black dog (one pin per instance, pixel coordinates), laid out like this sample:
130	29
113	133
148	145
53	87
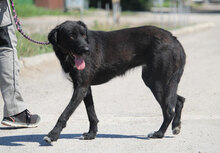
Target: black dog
95	57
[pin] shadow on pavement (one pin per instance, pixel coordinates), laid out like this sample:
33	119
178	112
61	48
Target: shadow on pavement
18	140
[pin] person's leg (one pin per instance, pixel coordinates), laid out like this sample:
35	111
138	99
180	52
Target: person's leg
15	111
9	66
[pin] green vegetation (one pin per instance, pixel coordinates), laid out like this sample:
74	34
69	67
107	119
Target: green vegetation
26	48
128	13
196	5
24	1
107	27
29	10
166	3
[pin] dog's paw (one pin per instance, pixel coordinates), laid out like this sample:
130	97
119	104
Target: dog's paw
155	135
176	130
52	136
88	136
47	140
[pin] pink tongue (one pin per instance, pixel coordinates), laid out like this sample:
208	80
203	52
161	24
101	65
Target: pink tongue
79	63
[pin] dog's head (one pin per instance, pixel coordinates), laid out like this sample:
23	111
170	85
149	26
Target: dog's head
71	37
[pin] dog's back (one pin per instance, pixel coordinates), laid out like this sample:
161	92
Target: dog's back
115	52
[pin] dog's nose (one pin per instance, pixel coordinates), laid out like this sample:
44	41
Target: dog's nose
84	48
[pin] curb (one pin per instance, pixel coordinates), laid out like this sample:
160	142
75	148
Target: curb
30	62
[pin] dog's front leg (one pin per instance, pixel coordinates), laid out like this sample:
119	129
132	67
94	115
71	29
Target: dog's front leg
93	120
78	95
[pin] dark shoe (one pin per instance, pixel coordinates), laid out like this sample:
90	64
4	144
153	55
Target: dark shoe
23	119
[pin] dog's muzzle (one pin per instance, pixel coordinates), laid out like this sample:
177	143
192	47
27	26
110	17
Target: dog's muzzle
83	49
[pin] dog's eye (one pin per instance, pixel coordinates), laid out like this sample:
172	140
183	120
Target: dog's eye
84	36
72	36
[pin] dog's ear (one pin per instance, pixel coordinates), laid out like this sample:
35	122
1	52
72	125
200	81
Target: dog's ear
84	25
52	36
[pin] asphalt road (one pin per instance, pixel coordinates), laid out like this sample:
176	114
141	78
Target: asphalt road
126	108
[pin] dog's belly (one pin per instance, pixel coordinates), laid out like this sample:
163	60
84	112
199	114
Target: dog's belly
102	78
106	74
98	81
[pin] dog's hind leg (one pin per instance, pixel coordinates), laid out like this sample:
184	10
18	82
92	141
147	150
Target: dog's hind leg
78	95
176	124
164	93
88	100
